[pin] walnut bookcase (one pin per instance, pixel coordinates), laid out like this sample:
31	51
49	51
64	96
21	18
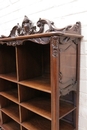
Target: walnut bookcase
39	77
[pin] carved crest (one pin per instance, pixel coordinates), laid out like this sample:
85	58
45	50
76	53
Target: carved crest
28	28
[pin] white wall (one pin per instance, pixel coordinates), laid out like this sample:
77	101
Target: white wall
63	13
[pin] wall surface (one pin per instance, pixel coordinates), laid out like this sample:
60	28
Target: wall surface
63	13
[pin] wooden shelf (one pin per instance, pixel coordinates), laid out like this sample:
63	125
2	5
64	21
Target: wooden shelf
11	95
41	106
66	126
39	83
11	126
12	112
37	123
9	76
65	108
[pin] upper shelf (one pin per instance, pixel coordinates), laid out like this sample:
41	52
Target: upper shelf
29	31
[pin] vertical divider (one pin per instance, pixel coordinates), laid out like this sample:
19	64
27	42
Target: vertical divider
18	85
16	49
54	82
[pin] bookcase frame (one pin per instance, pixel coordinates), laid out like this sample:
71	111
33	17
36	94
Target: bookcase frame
39	77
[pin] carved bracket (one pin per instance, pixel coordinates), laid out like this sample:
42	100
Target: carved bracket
66	88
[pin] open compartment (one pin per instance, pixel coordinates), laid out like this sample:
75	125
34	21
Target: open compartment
8	62
36	101
9	90
34	65
67	104
8	123
69	121
10	108
33	121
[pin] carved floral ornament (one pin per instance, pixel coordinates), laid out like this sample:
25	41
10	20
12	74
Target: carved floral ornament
28	28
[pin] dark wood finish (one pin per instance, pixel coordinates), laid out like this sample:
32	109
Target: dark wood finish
39	77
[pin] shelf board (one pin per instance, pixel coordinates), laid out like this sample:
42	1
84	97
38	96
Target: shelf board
11	126
66	126
41	106
11	95
12	112
65	108
40	83
9	76
37	123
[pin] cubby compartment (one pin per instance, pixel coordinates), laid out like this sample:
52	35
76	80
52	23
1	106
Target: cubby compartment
36	101
9	90
63	125
69	121
10	108
67	104
33	121
9	123
34	65
8	63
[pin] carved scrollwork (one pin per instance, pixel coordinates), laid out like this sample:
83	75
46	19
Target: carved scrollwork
28	28
54	44
66	88
66	42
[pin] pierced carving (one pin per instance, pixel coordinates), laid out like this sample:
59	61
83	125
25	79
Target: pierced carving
28	28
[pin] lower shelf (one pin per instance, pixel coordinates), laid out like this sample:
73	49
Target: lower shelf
37	123
11	126
12	112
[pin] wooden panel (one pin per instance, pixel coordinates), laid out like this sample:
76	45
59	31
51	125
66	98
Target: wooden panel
40	83
68	64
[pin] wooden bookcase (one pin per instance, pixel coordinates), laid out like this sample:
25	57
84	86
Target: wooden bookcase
39	77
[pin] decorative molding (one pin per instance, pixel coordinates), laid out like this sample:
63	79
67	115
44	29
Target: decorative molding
54	44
